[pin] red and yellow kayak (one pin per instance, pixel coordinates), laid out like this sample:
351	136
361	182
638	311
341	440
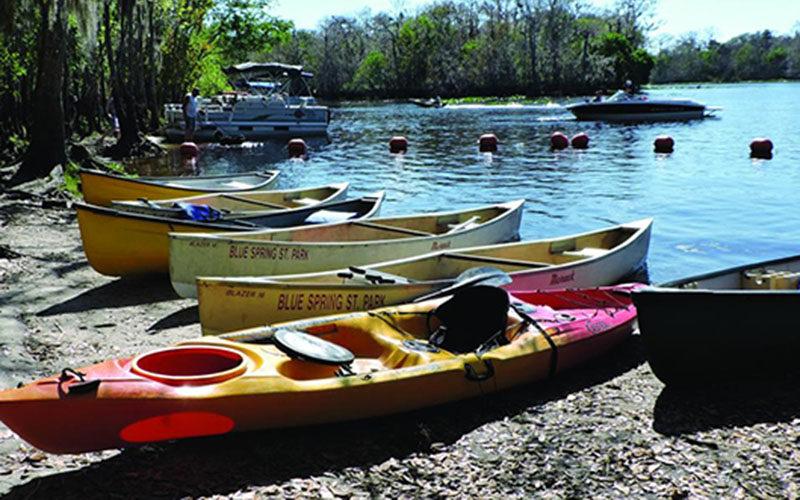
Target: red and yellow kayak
321	370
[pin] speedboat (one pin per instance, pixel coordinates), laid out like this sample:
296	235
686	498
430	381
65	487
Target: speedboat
626	107
271	100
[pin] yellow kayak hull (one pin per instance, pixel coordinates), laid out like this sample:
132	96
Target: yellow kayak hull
219	385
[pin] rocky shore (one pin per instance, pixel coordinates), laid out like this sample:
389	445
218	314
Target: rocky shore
607	430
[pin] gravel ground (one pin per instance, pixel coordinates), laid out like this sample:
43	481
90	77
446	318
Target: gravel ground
607	430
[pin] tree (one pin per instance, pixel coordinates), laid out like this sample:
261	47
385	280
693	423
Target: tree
48	138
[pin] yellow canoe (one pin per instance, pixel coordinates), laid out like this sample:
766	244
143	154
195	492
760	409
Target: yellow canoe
332	246
99	188
121	243
601	257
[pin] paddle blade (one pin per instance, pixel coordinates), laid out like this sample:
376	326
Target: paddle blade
490	276
477	275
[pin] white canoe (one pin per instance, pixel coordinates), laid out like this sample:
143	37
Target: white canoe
601	257
332	246
239	204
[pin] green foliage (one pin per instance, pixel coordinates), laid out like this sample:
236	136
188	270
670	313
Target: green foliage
72	180
755	56
494	100
641	64
212	79
242	28
371	75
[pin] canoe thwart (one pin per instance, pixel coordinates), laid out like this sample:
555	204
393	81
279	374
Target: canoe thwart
376	277
494	260
373	225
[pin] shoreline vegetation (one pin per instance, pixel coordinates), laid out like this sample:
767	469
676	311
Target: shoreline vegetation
70	69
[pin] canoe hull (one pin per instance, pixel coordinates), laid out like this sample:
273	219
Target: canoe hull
720	327
100	188
193	256
228	304
260	388
695	337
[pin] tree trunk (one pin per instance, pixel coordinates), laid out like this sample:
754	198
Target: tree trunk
152	98
124	105
48	140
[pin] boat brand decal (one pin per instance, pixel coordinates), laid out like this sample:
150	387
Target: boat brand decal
441	245
267	253
556	279
329	301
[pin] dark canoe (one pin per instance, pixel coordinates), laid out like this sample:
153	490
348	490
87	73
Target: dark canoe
728	326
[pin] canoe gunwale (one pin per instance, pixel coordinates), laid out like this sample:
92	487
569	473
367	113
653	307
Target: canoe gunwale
336	192
268	175
677	283
513	208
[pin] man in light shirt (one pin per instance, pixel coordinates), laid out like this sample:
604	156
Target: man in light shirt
190	113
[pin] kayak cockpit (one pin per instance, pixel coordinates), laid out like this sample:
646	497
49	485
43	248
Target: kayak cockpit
475	320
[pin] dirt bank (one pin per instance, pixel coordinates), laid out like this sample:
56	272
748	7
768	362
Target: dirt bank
606	430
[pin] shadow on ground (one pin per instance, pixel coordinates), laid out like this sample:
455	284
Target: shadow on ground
122	292
227	464
762	400
182	317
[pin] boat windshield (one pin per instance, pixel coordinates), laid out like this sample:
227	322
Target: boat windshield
621	95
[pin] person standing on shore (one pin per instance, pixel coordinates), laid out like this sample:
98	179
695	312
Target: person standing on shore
190	113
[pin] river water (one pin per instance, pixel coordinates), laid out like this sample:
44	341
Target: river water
713	205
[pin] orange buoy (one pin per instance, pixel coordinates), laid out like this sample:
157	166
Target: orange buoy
580	141
761	147
297	147
559	140
398	144
487	143
189	149
664	144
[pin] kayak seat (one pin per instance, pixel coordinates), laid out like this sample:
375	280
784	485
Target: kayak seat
474	319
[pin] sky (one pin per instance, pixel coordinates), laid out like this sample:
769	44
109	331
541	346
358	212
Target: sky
718	19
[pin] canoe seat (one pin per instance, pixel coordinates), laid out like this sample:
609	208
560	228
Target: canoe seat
461	226
306	201
586	252
326	216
